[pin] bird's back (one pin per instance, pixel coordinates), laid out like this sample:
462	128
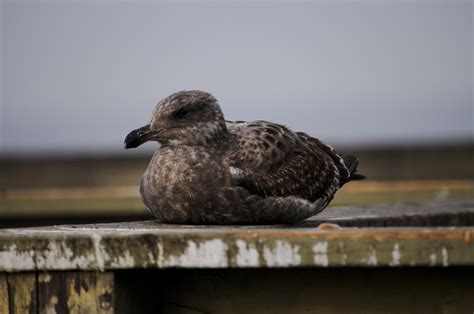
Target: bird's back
262	146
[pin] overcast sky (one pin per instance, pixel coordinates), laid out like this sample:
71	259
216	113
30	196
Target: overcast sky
78	75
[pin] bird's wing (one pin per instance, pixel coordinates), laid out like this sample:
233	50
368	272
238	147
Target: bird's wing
271	160
262	146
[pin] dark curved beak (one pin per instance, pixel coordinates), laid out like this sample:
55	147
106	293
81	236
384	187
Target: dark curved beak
137	137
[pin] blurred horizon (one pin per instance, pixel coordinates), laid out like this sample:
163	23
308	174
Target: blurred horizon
78	76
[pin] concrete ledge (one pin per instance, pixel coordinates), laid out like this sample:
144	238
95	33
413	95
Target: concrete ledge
150	244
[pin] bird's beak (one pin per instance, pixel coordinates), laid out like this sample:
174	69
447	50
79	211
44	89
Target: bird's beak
137	137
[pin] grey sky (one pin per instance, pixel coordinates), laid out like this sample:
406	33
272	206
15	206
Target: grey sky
77	76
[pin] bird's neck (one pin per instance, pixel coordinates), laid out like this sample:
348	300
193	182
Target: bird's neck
219	139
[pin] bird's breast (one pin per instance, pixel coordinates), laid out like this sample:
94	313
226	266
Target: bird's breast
183	179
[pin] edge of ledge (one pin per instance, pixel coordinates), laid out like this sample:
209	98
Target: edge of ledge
99	247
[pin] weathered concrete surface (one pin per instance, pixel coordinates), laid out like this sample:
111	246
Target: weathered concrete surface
438	213
153	245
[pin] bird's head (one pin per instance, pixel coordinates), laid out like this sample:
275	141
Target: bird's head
186	117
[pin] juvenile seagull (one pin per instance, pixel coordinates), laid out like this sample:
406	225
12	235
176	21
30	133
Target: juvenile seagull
207	170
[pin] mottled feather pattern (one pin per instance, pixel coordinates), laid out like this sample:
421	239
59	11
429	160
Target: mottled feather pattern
306	170
211	171
261	146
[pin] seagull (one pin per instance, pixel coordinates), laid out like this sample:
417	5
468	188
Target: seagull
207	170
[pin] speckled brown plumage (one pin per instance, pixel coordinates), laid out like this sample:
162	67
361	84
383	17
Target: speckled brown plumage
211	171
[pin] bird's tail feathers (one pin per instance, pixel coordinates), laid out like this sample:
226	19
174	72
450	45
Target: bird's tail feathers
351	163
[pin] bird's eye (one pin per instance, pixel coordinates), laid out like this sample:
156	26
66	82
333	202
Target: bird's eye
181	113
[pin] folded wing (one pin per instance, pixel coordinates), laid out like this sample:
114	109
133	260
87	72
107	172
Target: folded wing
271	160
